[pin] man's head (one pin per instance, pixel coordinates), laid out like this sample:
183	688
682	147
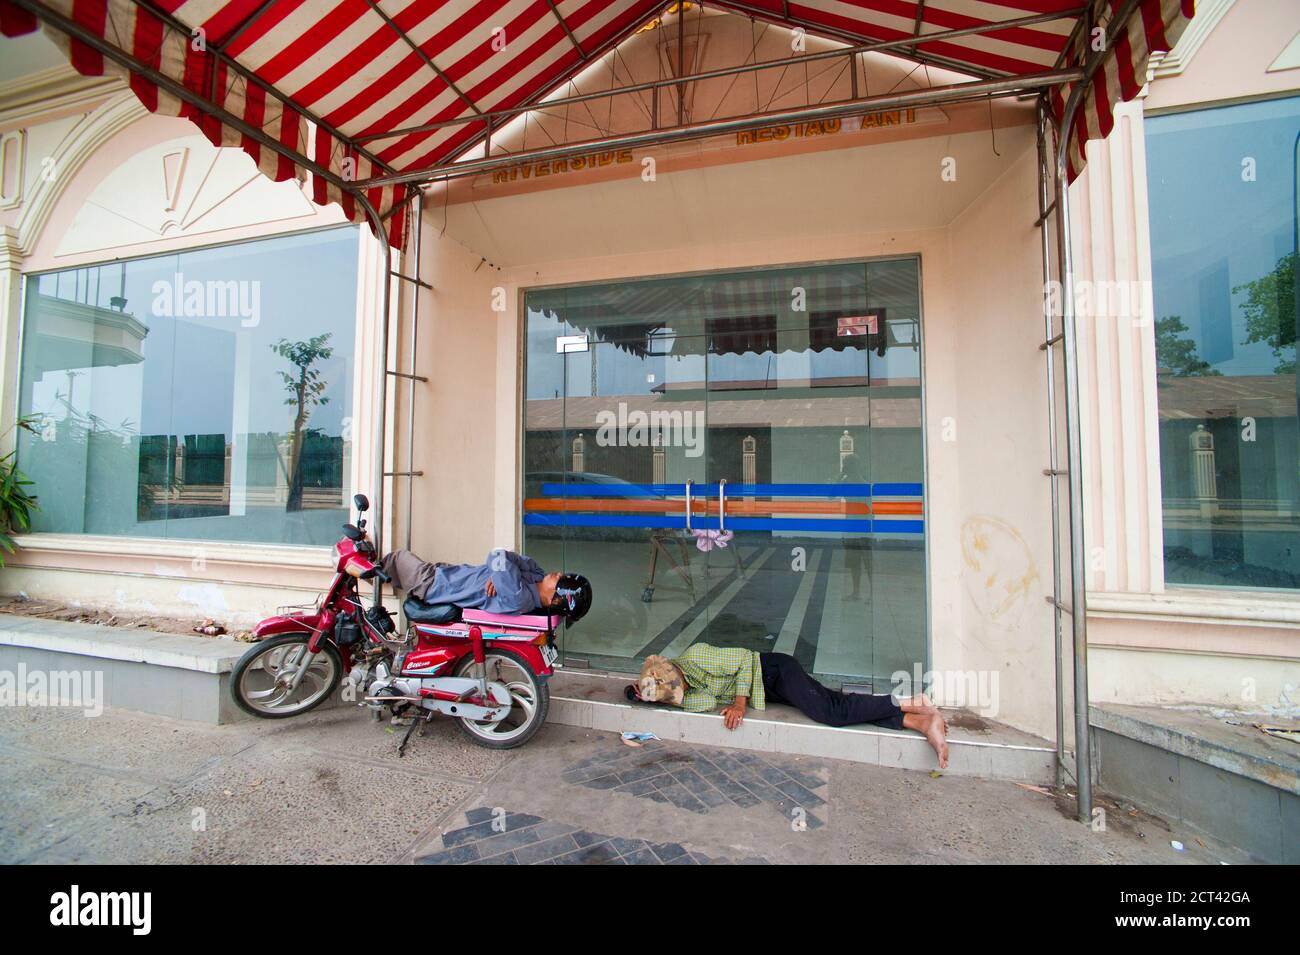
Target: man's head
661	681
570	593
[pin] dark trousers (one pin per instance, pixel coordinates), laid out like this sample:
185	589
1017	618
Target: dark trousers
786	682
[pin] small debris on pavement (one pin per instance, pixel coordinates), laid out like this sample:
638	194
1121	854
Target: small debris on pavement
210	628
1037	789
637	739
1178	846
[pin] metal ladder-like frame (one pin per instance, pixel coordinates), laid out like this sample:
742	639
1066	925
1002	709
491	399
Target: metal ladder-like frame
409	375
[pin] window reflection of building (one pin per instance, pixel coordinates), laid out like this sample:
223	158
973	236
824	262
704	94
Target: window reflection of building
166	411
1224	253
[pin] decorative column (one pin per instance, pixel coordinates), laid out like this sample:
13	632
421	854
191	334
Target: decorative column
579	455
11	288
1205	487
1117	364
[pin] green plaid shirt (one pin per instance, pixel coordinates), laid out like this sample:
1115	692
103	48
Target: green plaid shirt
717	675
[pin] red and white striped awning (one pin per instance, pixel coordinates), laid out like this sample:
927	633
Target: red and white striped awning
316	75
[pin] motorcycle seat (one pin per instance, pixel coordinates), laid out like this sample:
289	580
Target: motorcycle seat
537	619
417	611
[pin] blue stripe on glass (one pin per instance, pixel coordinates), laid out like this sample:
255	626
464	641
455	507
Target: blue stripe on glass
847	525
749	490
896	490
899	527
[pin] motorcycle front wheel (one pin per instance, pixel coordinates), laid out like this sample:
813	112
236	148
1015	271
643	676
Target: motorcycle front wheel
261	681
529	700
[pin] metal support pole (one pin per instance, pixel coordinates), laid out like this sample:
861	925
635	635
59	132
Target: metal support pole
410	381
1074	443
1050	337
681	64
381	423
1074	464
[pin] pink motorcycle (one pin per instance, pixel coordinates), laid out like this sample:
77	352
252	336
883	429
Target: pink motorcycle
487	671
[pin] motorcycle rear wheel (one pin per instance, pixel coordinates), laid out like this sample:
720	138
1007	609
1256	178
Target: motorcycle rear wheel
530	700
257	681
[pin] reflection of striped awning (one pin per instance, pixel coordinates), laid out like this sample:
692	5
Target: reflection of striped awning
324	76
737	313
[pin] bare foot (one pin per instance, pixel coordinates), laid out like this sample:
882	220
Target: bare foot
918	704
936	731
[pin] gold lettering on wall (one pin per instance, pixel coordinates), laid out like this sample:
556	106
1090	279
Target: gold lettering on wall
553	167
824	127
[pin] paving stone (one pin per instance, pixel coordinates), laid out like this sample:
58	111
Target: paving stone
505	841
600	854
505	858
456	855
641	857
667	851
549	849
801	795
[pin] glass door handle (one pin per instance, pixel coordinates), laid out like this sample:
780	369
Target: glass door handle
722	505
689	484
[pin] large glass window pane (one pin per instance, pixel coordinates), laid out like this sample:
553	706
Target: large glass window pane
785	405
202	395
1223	237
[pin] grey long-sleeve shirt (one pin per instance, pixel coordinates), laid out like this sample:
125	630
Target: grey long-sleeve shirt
515	577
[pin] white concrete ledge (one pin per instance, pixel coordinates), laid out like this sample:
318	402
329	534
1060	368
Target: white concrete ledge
200	654
592	701
1189	606
1189	732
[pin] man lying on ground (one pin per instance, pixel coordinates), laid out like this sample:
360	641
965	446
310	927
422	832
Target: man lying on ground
505	583
705	676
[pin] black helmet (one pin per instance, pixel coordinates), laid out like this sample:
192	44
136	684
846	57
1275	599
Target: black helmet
573	594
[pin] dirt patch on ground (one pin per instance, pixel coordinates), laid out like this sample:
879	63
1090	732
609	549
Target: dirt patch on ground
53	610
1119	816
966	720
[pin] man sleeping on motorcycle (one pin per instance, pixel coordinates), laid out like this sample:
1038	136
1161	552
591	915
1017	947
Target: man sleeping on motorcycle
505	583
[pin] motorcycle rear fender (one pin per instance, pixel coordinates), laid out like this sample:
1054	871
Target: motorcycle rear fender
320	625
288	623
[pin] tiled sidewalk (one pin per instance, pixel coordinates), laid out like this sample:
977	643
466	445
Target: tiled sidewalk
499	837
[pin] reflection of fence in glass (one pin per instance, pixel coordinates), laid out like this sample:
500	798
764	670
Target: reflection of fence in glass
191	476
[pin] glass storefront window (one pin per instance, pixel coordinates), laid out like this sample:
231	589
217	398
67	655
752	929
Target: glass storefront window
202	395
785	404
1223	188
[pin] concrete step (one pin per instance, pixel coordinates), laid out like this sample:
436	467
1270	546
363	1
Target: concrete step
188	678
1209	769
976	747
173	675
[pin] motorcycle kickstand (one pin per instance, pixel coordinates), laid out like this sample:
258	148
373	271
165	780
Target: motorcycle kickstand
406	737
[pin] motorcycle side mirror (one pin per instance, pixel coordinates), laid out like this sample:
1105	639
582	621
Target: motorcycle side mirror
361	502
